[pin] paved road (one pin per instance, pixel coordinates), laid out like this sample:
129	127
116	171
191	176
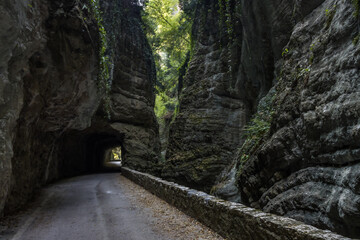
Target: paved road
87	207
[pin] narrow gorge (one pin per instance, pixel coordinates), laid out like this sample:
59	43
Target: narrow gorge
264	109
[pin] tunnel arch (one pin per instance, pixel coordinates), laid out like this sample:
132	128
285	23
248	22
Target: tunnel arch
84	151
97	145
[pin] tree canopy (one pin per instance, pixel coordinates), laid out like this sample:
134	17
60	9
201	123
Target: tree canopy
168	28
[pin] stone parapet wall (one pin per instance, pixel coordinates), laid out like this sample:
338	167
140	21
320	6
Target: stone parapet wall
231	220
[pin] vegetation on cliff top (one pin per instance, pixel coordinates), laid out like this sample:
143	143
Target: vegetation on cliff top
168	28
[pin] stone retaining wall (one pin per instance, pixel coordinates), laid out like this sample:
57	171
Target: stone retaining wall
231	220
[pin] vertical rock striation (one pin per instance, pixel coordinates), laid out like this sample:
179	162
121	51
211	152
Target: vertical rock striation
21	37
306	166
237	46
206	132
53	122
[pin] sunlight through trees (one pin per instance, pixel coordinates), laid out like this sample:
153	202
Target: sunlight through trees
168	28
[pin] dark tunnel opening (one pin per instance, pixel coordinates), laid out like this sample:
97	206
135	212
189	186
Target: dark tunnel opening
99	149
89	152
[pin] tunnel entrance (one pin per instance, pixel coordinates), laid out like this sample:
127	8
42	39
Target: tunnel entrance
91	151
106	151
113	158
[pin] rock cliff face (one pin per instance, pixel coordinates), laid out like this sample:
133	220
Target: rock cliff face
308	168
306	165
53	122
212	111
232	68
298	59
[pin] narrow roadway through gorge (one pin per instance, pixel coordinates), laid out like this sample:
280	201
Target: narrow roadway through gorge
102	207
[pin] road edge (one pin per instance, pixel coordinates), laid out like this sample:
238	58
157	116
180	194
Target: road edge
231	220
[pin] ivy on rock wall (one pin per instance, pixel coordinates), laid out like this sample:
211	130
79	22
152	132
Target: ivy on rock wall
105	52
257	130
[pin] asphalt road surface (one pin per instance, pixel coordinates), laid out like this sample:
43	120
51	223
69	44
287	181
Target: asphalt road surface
103	207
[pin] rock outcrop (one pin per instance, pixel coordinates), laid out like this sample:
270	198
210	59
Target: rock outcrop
306	165
308	168
232	68
53	120
212	112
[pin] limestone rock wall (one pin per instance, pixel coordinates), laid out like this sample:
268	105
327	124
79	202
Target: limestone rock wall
23	44
237	46
8	102
307	52
52	117
308	168
206	132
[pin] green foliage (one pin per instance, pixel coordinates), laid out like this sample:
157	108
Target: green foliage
176	112
330	13
356	39
313	47
285	52
116	154
221	11
258	126
182	71
257	129
164	105
160	108
229	24
104	81
303	72
356	4
226	12
311	58
228	21
168	28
